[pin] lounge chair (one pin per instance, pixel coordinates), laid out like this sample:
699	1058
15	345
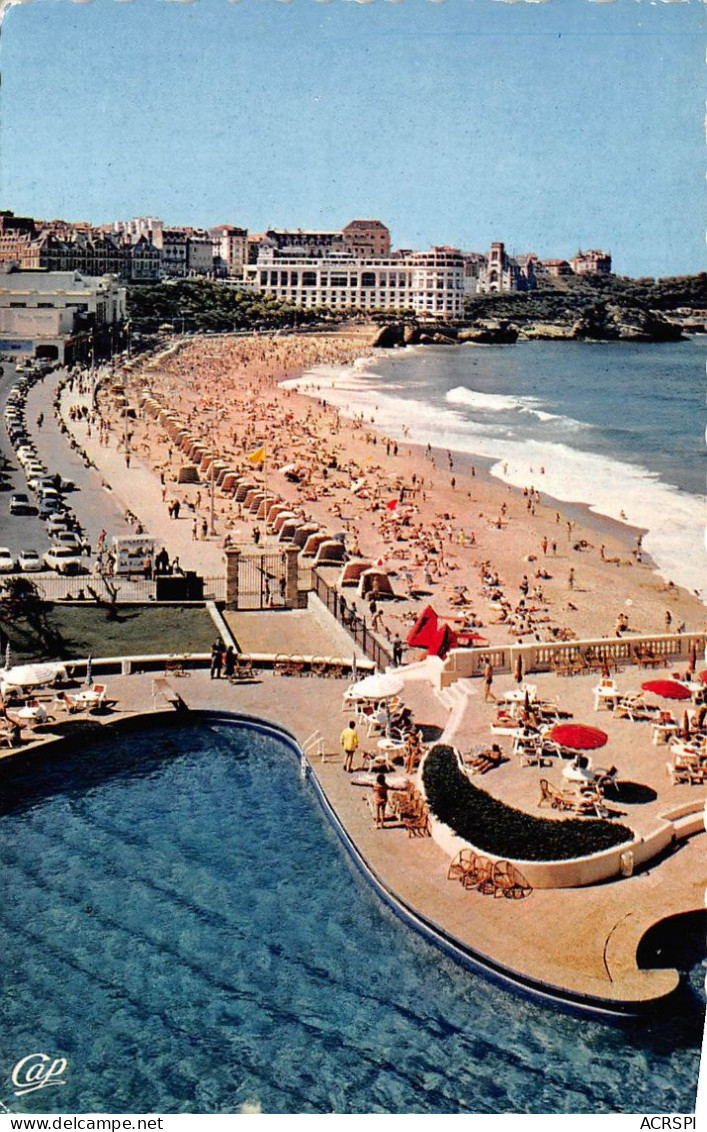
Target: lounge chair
631	707
646	659
175	668
588	805
557	799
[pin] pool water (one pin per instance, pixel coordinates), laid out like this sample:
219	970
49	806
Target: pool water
178	921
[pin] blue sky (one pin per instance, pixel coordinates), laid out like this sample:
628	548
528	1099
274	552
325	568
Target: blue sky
550	126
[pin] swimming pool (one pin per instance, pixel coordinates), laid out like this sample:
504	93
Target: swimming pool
178	921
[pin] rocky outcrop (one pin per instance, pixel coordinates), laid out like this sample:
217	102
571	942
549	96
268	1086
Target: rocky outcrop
547	330
489	334
390	336
412	334
612	322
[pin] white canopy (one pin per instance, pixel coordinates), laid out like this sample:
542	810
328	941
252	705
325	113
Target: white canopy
377	687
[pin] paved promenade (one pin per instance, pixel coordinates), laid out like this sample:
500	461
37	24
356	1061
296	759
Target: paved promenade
136	488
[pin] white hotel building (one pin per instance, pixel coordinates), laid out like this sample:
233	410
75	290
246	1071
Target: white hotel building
430	283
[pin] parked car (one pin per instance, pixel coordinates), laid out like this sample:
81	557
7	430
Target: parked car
48	508
49	493
68	538
40	481
29	560
63	559
58	522
20	504
7	562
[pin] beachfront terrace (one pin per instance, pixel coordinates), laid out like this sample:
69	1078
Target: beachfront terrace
580	940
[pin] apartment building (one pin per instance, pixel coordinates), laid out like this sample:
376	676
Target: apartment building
59	315
591	262
230	249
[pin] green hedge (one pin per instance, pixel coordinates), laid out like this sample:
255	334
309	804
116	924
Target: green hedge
498	829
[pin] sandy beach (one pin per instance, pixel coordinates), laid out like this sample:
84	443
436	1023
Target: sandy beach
512	564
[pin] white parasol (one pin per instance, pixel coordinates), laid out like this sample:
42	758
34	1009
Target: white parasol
377	687
31	675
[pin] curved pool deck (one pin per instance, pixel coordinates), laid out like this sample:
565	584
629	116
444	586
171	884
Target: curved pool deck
572	947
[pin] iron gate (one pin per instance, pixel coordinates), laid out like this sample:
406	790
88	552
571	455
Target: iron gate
262	580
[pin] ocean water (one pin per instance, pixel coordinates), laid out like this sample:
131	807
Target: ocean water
178	921
618	426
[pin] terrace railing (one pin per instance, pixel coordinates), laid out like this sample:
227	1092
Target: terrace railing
380	654
666	648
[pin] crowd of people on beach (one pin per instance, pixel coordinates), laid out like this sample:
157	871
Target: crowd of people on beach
423	515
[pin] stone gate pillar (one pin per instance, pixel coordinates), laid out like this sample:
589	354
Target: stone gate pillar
291	576
233	555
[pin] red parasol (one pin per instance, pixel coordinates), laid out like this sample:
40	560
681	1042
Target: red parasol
669	689
703	676
578	736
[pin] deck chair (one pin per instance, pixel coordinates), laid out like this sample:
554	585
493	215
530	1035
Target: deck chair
482	877
679	775
509	881
459	866
633	708
100	690
243	668
604	778
417	820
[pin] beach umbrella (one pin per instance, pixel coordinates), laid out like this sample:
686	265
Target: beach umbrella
605	670
7	656
89	671
518	669
578	737
703	675
354	669
377	687
685	725
692	661
669	689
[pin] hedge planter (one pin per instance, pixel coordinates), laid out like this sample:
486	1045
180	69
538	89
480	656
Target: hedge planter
499	830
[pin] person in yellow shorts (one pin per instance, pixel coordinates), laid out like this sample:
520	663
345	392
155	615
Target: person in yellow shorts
349	742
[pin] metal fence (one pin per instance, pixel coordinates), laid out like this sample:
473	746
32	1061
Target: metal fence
351	621
88	587
262	580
